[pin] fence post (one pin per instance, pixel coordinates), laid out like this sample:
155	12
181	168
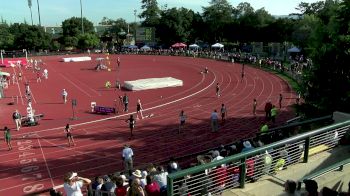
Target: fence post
170	186
242	172
306	149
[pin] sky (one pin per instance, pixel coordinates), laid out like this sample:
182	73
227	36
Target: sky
53	12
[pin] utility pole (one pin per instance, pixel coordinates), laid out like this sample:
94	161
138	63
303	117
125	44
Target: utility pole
81	15
37	1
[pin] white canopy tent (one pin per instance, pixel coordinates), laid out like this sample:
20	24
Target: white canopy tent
293	50
145	47
194	46
217	45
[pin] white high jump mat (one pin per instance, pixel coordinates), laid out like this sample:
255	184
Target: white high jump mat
76	59
152	83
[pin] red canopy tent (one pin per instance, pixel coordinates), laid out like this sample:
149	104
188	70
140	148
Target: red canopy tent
179	45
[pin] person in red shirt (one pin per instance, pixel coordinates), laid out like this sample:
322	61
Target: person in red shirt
152	188
121	189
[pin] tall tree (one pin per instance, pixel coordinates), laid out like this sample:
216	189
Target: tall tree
150	13
6	38
327	83
217	16
175	25
72	29
30	37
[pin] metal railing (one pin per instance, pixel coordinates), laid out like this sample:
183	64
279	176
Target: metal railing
236	170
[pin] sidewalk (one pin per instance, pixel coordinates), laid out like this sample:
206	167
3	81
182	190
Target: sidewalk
274	185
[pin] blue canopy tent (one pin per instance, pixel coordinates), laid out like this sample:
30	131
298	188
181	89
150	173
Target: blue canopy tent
293	50
132	47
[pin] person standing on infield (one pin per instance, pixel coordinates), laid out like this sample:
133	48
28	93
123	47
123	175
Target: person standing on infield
214	121
7	137
280	101
182	121
126	102
139	109
132	123
68	131
64	96
16	116
217	90
223	112
254	106
127	156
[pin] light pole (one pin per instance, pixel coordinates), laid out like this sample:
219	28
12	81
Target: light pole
30	7
135	11
37	1
81	16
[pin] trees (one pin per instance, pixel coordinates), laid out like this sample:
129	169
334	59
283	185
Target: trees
87	40
72	29
150	13
217	17
176	25
327	83
6	38
30	37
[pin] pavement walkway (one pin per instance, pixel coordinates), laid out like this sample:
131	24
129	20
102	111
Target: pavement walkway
274	185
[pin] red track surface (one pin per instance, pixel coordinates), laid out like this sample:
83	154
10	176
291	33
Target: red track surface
41	156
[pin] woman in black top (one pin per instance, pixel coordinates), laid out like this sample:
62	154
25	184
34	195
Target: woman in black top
131	122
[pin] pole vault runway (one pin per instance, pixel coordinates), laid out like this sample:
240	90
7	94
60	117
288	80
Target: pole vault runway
41	155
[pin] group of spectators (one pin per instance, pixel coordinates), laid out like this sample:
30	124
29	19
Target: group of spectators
311	188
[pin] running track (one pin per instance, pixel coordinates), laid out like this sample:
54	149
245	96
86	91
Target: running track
41	156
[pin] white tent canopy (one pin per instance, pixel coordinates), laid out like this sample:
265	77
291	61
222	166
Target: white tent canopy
217	45
193	46
145	47
294	49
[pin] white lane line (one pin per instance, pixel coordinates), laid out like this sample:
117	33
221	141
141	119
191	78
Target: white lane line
75	85
47	167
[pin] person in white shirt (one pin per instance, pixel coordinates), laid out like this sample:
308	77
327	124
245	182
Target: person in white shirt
214	121
127	156
73	184
64	95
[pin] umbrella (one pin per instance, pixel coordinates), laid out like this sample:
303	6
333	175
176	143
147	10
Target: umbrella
217	45
193	46
179	45
294	49
145	47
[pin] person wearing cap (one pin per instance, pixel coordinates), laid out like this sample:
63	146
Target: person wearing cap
127	156
73	184
64	96
108	185
143	179
16	116
247	146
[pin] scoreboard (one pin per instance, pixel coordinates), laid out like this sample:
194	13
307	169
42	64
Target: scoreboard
145	34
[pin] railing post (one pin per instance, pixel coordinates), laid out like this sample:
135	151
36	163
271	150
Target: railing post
306	149
170	186
242	172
